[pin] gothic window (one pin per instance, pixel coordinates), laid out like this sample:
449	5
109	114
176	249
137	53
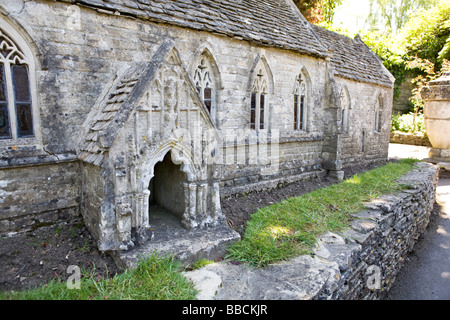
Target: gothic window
258	102
16	106
378	114
203	83
300	103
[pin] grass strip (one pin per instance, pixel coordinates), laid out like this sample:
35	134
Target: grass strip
154	278
289	228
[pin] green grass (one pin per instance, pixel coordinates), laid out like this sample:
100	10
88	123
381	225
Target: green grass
290	228
155	278
201	263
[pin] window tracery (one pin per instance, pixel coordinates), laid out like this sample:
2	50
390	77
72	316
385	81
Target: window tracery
258	101
16	110
204	83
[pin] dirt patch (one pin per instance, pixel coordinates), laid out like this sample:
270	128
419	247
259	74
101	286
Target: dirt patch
34	258
239	208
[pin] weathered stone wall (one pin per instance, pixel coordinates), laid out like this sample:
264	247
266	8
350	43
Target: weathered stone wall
415	139
29	198
290	160
93	198
362	142
370	254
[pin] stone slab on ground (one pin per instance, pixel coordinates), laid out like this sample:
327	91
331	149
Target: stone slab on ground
187	246
301	278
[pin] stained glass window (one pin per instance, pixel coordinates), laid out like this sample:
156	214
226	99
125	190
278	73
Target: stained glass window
253	112
16	112
5	129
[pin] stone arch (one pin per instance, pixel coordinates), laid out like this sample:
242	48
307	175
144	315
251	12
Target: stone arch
24	36
23	53
180	154
345	109
206	76
261	64
208	53
302	87
195	188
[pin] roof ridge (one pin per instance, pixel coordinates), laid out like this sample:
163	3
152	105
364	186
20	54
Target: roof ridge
351	58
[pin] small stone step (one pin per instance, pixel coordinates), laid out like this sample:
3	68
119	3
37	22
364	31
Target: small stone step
186	246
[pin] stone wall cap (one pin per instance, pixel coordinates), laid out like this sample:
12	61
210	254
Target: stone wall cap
444	79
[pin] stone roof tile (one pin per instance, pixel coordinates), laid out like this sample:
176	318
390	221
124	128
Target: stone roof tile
91	149
267	22
352	59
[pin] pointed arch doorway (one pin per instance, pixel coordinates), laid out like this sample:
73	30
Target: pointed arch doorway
167	201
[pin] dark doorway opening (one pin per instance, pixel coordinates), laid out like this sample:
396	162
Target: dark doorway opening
167	200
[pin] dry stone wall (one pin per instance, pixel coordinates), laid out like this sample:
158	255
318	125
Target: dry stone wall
360	263
416	139
380	238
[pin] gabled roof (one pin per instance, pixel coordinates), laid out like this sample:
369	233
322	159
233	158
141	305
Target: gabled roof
122	99
352	59
98	139
275	23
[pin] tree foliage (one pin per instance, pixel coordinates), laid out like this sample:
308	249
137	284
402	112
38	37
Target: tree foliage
392	15
420	47
317	11
427	34
384	47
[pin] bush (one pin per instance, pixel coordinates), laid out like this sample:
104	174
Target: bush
409	123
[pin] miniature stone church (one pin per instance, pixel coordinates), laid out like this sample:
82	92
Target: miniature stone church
111	108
